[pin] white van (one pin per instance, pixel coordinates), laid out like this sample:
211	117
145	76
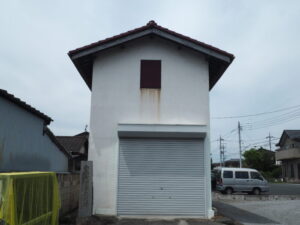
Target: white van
229	180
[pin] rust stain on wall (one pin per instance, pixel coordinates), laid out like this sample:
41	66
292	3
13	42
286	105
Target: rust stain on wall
150	105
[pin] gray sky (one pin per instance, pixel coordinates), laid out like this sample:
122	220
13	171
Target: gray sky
263	35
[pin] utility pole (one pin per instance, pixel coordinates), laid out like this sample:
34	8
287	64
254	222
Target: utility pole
221	154
270	141
240	142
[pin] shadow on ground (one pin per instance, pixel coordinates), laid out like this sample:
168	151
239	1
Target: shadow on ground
241	215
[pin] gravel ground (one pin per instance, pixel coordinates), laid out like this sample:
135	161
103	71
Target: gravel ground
95	220
261	212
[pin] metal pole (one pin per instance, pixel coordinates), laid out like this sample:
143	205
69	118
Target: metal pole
220	151
223	154
270	141
240	143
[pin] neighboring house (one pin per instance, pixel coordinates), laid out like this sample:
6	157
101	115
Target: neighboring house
215	165
77	146
269	153
149	125
289	155
228	163
232	163
26	143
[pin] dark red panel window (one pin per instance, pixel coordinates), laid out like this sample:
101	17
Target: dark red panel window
150	73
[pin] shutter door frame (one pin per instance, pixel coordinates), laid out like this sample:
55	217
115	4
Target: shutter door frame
181	195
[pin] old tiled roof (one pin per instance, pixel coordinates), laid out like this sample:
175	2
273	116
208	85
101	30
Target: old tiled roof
84	62
73	144
24	105
150	24
291	134
83	134
232	160
56	142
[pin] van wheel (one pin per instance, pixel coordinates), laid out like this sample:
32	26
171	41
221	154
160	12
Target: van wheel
256	191
229	191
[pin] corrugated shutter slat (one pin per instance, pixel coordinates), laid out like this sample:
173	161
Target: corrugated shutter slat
161	177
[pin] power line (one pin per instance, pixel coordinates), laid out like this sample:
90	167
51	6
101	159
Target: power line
230	133
284	116
275	123
256	114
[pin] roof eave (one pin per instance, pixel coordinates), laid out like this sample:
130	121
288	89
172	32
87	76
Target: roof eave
219	60
25	106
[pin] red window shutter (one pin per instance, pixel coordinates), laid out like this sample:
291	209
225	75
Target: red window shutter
150	74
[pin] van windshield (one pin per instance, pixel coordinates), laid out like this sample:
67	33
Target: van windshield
256	175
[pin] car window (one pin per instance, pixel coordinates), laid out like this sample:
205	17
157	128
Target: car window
255	175
241	175
227	174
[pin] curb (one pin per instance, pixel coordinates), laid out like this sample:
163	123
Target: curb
242	197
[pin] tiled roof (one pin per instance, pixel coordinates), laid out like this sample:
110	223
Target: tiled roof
150	24
73	143
56	142
291	134
24	105
83	57
83	134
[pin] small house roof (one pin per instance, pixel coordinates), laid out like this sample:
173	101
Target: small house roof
74	143
233	160
52	137
291	134
24	105
83	57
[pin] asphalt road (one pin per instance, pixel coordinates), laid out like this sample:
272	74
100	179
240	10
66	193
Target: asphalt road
284	189
261	212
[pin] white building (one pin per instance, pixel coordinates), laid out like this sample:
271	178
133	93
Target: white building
149	127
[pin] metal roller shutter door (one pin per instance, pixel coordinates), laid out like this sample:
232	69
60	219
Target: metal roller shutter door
161	177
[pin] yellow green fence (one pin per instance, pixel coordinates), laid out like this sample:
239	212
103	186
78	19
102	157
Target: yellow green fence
29	198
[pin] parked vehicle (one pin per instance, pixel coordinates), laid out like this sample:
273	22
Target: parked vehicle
230	180
213	180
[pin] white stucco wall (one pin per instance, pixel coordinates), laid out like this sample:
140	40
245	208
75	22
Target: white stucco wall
117	98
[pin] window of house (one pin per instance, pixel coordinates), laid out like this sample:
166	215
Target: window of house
241	175
227	174
150	74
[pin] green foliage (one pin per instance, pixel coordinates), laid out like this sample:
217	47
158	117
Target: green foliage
262	160
276	172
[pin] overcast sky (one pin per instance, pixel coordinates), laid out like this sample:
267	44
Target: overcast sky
263	35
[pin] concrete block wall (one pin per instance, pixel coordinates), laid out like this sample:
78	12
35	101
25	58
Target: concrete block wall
69	187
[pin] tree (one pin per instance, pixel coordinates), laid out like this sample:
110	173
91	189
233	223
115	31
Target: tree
259	159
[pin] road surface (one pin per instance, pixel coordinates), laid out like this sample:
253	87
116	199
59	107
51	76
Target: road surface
284	212
284	189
